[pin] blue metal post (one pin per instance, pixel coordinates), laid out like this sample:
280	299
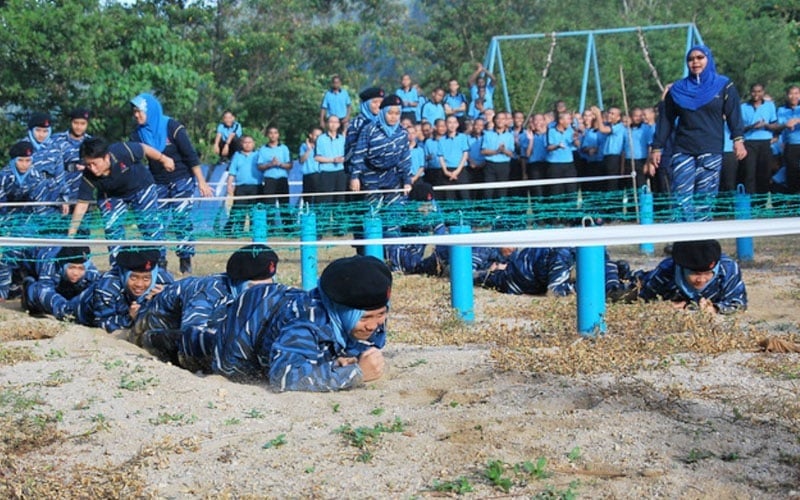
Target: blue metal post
277	215
308	253
461	277
503	76
744	245
697	36
591	291
373	230
689	43
597	77
586	60
258	223
646	216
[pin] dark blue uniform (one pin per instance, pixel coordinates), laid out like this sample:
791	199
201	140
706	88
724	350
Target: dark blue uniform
726	289
107	302
291	338
533	271
50	291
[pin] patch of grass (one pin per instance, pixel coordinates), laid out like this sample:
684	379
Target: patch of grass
418	362
459	486
173	418
495	473
55	354
536	470
11	355
335	407
109	365
697	454
254	413
574	454
23	425
780	367
377	411
275	442
232	421
553	493
135	382
57	378
364	438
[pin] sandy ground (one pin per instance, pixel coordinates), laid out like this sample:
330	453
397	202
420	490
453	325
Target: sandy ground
85	414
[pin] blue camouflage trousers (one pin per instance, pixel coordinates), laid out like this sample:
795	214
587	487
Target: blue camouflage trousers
695	183
144	204
176	215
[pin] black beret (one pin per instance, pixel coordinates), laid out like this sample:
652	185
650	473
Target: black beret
138	259
421	191
39	120
371	93
361	282
80	113
22	148
697	256
73	255
253	262
391	100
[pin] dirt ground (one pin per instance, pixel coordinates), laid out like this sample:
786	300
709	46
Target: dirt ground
668	404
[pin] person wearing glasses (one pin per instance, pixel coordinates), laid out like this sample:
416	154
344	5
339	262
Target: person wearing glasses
696	109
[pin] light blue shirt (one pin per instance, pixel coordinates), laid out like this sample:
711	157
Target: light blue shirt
408	96
335	103
330	147
267	153
785	113
452	149
752	115
492	140
555	137
245	169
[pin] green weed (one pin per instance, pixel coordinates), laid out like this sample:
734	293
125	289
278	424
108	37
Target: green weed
275	442
458	486
254	413
364	437
173	418
57	378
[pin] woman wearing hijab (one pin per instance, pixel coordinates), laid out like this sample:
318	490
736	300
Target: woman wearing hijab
382	159
695	109
169	137
371	99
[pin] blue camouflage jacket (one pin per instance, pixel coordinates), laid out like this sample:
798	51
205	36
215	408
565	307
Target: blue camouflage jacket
726	289
288	336
532	271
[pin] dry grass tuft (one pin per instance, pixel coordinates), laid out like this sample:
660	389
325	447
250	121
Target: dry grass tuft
11	355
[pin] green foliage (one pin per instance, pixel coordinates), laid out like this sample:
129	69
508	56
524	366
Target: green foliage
458	486
270	62
276	442
365	437
495	471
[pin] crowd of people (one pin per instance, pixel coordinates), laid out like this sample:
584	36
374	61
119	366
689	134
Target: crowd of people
397	153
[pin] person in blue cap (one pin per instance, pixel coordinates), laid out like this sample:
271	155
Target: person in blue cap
62	274
170	138
326	339
697	276
172	324
113	301
696	109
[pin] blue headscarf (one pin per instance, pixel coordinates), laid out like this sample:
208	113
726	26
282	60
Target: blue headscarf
17	175
36	144
344	318
695	91
388	129
694	294
154	131
366	112
153	277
